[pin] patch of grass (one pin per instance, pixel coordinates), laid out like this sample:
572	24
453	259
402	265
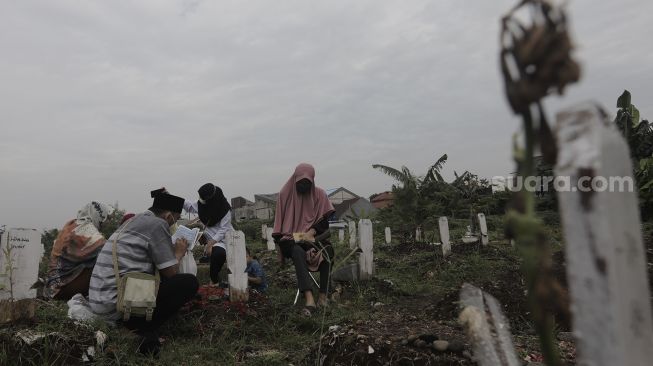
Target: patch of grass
274	333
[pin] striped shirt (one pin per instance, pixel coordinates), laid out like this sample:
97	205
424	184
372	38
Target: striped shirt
144	242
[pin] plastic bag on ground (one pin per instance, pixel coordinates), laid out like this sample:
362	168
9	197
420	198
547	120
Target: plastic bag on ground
79	309
187	264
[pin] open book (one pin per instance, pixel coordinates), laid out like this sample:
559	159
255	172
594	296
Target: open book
297	237
191	235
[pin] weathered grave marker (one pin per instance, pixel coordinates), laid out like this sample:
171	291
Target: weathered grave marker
418	234
443	224
20	270
483	226
388	236
264	232
237	263
20	253
352	234
487	328
366	258
269	238
341	236
606	262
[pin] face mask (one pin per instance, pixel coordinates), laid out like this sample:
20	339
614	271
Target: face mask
303	186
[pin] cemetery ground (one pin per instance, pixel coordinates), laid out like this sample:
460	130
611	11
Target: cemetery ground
389	320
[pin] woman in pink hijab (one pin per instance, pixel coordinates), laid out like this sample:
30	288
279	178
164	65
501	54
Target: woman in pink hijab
304	208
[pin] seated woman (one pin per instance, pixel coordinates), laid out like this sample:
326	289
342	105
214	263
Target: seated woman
304	208
75	251
215	213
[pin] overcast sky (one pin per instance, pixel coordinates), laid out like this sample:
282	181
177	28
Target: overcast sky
106	100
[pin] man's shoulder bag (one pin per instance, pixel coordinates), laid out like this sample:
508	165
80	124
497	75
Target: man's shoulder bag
136	290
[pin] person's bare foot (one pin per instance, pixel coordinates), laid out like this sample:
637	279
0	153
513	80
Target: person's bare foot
323	300
309	299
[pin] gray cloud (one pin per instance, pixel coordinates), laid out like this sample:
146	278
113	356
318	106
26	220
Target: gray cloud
106	100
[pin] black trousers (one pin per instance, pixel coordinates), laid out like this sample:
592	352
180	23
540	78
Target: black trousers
173	293
218	257
297	253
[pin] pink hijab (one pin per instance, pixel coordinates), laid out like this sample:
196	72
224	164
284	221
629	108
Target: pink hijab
297	213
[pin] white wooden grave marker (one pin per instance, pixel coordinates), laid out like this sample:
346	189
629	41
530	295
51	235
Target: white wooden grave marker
341	236
483	226
606	261
418	234
26	251
352	234
268	237
237	262
366	258
443	224
264	231
388	236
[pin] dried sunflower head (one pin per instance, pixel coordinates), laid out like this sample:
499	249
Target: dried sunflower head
536	57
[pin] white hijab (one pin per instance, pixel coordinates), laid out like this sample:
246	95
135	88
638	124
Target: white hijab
95	213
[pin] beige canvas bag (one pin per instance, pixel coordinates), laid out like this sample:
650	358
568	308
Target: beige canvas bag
136	290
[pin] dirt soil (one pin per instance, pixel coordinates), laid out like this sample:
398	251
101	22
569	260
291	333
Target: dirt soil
392	336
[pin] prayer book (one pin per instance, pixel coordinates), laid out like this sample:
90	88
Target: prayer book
302	237
191	235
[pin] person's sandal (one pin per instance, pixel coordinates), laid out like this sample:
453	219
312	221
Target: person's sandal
307	311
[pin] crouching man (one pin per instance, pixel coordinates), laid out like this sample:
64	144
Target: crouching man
143	244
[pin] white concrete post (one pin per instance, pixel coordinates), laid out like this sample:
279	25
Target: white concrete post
366	258
483	226
606	259
388	236
268	237
353	238
264	231
487	328
341	236
443	224
237	262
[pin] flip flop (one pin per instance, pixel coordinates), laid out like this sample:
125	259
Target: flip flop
307	311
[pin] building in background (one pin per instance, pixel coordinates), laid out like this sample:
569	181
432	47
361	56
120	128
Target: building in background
242	209
346	203
265	205
339	195
382	200
353	209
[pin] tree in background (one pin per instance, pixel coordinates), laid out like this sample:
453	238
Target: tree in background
410	205
639	135
420	201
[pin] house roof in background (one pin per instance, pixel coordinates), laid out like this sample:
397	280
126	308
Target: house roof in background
382	200
270	197
342	207
236	202
332	191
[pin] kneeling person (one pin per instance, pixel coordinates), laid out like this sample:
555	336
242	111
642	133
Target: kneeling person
255	274
143	244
